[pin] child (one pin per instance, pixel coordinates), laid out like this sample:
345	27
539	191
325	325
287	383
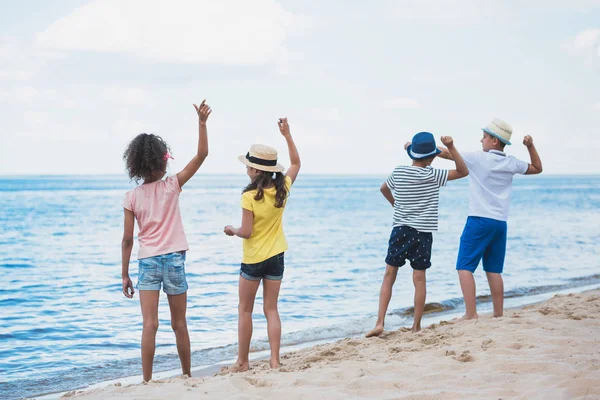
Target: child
484	235
263	202
155	205
414	192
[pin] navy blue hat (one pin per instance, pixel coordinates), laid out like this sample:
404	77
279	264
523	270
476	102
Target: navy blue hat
422	146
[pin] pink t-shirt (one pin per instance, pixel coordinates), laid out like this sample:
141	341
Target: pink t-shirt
156	207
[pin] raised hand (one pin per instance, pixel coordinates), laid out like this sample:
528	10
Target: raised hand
447	141
284	128
203	111
528	141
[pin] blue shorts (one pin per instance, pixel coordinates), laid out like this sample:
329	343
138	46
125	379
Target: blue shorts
271	269
407	243
482	238
166	269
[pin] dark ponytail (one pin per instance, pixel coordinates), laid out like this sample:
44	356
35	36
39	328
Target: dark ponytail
264	180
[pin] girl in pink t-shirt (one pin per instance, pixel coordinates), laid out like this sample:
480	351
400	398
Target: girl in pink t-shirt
155	206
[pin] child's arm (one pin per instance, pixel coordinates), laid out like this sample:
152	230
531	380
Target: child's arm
445	153
244	231
292	171
461	167
203	111
536	163
387	193
126	246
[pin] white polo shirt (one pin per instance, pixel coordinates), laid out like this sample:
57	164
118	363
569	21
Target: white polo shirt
490	180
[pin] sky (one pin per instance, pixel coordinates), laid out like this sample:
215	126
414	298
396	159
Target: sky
79	79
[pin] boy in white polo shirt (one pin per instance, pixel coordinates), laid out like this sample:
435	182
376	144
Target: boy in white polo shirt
491	173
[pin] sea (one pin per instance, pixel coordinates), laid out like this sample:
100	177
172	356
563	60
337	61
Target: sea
65	325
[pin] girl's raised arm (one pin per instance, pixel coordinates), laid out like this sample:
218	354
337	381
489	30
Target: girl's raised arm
203	111
284	128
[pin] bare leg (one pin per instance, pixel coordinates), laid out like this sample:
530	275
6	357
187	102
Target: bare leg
178	306
247	294
385	294
420	295
149	305
270	295
467	284
497	289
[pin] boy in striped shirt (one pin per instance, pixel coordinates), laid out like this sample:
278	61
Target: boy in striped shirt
414	192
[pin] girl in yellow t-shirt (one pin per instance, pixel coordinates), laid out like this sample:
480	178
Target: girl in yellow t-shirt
263	202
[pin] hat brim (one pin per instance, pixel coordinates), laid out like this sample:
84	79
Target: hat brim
500	138
416	156
275	168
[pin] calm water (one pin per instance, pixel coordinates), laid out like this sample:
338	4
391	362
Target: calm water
64	322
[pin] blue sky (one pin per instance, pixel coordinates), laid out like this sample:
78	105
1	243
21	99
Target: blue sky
79	79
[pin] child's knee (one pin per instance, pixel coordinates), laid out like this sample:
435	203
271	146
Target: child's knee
151	325
419	276
179	325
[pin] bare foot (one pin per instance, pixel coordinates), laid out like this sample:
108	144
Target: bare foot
416	328
378	330
469	317
234	369
274	364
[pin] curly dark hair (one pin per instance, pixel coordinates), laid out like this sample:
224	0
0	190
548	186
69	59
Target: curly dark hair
145	156
265	179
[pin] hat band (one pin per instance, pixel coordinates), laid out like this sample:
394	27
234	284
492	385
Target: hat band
260	161
420	155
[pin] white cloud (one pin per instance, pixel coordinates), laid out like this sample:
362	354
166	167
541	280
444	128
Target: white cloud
20	62
396	103
229	32
444	10
597	106
584	41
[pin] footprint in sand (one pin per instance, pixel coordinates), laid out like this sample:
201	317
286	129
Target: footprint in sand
258	382
486	344
465	357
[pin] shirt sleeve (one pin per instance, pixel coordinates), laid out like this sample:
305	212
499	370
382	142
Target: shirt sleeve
470	158
441	176
288	182
520	167
128	201
247	201
172	183
390	181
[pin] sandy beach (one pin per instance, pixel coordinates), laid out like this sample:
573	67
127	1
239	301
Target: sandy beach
544	351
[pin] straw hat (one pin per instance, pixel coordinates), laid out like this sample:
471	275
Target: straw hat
499	129
263	158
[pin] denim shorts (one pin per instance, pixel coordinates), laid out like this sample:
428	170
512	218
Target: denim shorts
271	269
482	239
407	243
167	270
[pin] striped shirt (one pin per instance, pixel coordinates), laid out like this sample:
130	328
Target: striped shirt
416	193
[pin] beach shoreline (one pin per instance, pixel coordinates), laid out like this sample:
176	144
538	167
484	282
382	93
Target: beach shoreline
551	343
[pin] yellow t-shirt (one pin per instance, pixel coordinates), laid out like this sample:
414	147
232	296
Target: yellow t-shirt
267	239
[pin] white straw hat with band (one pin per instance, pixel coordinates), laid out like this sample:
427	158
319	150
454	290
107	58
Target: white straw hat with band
263	158
500	130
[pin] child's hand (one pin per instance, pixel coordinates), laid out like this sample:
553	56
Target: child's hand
229	230
447	141
128	288
203	111
406	145
528	141
284	128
